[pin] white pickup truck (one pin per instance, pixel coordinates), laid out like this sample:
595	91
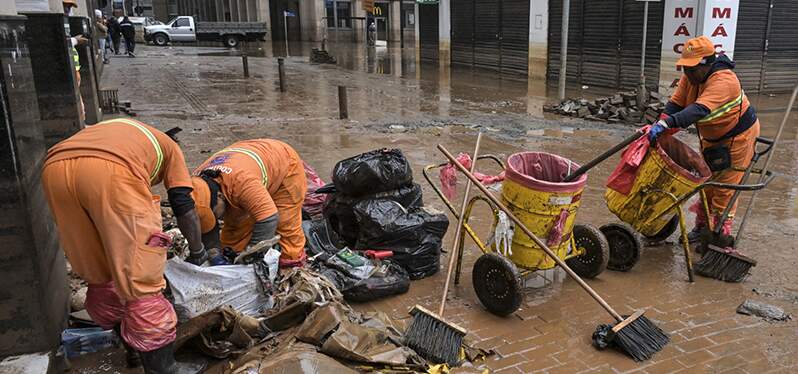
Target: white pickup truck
184	29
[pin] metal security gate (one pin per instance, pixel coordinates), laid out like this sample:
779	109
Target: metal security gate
491	34
428	31
766	48
604	42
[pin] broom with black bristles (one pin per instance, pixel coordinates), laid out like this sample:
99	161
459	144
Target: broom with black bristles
429	334
720	260
636	335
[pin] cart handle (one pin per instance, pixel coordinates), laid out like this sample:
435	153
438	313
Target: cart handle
592	163
437	189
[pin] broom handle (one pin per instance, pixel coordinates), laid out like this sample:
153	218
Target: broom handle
458	233
526	231
767	163
592	163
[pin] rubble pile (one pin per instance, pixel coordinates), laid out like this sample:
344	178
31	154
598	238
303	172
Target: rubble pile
623	107
321	56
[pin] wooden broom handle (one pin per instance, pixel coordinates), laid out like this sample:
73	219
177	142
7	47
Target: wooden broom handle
459	231
526	231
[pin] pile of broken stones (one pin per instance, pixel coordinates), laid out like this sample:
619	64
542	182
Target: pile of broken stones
624	107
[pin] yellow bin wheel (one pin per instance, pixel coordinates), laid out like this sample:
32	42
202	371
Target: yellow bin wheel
497	283
596	251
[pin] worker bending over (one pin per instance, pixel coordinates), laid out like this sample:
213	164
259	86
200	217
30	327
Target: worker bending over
97	184
709	94
258	187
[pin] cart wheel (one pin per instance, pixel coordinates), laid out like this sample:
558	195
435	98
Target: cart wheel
597	251
497	284
666	231
624	244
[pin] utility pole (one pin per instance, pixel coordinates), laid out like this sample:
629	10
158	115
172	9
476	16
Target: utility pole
566	10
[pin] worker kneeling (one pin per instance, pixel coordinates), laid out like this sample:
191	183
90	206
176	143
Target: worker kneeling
709	94
257	187
97	184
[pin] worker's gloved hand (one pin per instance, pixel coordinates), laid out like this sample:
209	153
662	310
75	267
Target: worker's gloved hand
656	129
198	257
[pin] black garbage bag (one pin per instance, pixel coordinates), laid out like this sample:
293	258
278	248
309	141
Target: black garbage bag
414	235
389	279
339	209
376	171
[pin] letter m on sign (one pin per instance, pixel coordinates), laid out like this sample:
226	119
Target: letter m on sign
683	13
721	13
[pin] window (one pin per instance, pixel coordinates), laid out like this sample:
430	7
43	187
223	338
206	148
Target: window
343	14
330	13
182	22
339	14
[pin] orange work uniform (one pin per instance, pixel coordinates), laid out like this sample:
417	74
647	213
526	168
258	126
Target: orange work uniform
97	184
722	94
259	178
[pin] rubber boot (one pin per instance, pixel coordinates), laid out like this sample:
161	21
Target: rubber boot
162	361
694	236
132	358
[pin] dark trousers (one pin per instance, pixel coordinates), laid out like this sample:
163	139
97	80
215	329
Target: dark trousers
130	45
116	40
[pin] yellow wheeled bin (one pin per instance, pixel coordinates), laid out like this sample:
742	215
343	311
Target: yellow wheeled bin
534	192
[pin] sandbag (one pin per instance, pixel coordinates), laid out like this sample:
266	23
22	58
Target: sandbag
339	209
413	235
375	171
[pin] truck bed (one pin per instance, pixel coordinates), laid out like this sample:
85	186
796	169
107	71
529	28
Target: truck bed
231	28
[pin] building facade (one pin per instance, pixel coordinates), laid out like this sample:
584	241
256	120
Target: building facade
605	38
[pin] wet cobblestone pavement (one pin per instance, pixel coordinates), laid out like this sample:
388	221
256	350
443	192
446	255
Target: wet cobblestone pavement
414	107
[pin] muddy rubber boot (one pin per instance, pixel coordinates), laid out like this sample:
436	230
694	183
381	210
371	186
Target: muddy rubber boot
132	358
694	236
162	361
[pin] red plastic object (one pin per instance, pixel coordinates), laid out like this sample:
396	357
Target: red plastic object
379	255
159	239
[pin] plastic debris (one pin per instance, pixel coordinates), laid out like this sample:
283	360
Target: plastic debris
766	311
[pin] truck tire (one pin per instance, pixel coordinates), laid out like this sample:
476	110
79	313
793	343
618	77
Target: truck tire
230	41
160	39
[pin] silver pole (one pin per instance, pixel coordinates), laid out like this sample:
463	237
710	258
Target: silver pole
643	50
285	25
566	10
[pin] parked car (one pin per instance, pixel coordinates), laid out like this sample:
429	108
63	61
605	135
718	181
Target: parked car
184	29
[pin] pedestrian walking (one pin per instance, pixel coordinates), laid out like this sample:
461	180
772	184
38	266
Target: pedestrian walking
102	33
129	33
115	33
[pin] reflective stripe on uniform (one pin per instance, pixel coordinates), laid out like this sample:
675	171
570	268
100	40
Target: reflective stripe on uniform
254	156
152	139
75	58
723	109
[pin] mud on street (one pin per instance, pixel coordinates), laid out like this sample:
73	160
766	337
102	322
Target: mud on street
396	103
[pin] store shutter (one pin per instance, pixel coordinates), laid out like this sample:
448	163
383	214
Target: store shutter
428	31
574	41
781	60
486	35
600	43
752	26
632	40
515	36
462	32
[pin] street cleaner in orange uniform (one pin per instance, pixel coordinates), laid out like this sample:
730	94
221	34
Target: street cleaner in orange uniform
98	185
709	95
257	187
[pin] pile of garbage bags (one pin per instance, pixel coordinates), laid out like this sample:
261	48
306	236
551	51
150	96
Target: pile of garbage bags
377	206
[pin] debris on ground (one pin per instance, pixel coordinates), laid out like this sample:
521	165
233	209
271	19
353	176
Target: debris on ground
41	362
76	342
78	289
621	107
321	56
768	312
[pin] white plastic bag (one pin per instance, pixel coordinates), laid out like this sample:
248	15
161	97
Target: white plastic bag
197	290
504	235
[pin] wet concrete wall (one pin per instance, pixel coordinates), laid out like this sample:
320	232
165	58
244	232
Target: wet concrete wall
88	67
538	39
34	296
444	32
8	7
56	87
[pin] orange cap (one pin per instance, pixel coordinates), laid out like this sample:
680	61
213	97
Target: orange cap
695	50
74	3
202	203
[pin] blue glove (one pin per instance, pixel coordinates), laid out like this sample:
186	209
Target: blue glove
656	129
